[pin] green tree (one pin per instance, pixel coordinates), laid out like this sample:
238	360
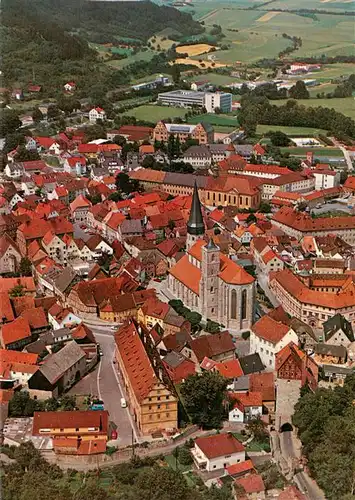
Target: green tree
203	397
251	219
212	326
115	196
17	291
160	483
37	115
278	138
299	91
9	122
13	140
175	73
258	428
265	207
195	319
125	184
25	267
24	155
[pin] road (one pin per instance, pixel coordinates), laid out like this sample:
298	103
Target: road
263	280
305	483
104	383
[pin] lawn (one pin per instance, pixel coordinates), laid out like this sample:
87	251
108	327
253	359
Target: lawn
171	461
220	120
291	131
327	152
342	105
215	78
140	56
153	113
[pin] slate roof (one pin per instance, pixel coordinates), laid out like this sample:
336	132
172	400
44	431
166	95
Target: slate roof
57	364
336	323
251	364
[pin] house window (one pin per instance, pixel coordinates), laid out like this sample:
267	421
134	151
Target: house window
77	429
244	305
158	398
168	414
234	304
158	406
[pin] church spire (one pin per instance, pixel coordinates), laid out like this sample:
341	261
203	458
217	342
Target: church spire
196	226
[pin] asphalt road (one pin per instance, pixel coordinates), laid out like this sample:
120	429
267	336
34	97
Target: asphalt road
104	383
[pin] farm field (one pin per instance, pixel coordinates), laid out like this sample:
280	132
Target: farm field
330	5
291	131
342	105
204	64
330	71
140	56
258	33
154	113
194	50
215	78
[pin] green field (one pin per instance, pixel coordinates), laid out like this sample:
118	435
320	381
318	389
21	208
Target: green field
260	35
154	113
140	56
345	105
318	152
215	78
222	120
291	131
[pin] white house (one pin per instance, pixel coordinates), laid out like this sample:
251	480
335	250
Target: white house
326	178
22	372
62	318
248	405
97	114
75	165
217	452
13	170
268	337
70	87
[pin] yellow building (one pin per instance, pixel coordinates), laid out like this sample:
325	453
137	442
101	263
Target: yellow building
151	396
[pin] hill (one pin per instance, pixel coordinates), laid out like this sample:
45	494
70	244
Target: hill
47	40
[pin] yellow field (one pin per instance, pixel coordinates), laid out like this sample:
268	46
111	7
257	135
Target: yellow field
194	50
201	65
269	15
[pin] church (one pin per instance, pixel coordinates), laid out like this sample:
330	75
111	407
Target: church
210	283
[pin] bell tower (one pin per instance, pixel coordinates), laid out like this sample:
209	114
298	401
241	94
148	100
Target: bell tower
195	225
209	290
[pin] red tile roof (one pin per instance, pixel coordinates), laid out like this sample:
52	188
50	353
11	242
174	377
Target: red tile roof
240	468
212	345
248	398
82	332
219	445
136	362
9	356
253	483
269	329
6	284
36	317
291	493
6	311
263	383
304	223
68	420
229	369
18	329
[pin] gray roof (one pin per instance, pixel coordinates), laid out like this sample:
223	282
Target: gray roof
173	318
241	383
198	151
338	351
57	364
218	148
174	359
129	226
61	278
244	148
61	332
335	369
251	364
336	323
196	224
36	347
185	179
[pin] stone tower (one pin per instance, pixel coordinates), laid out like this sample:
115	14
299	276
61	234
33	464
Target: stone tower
209	289
195	225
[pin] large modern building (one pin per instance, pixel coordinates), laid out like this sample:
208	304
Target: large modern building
208	281
190	98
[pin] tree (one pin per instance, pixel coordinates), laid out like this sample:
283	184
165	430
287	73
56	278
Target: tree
9	122
184	455
299	91
175	73
125	184
279	139
212	326
13	140
115	196
25	267
17	291
23	154
53	112
251	219
120	140
257	427
37	115
203	397
194	318
160	483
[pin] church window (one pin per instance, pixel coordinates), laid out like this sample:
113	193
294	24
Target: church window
234	304
211	289
244	305
212	257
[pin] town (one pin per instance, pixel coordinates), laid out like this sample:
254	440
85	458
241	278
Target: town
177	271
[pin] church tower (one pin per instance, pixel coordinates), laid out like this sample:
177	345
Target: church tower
209	289
195	225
